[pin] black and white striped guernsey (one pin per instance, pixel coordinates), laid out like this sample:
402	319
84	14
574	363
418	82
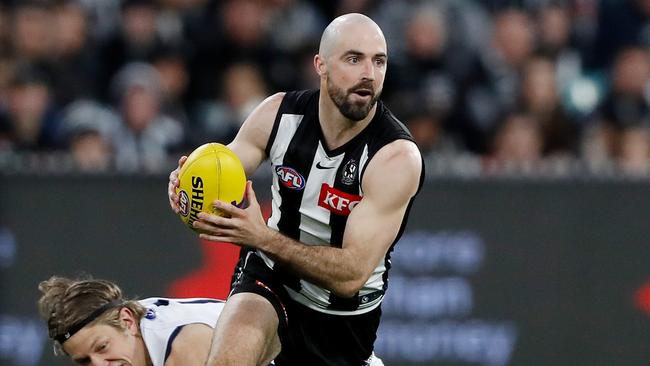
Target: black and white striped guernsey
314	189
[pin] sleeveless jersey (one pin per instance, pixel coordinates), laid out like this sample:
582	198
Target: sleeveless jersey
314	189
165	318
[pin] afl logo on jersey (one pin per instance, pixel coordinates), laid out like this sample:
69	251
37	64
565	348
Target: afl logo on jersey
289	177
349	172
150	314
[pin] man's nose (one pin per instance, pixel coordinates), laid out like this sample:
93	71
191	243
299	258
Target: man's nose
368	70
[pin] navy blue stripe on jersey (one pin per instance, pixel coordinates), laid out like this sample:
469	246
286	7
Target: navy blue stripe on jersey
161	302
172	336
202	301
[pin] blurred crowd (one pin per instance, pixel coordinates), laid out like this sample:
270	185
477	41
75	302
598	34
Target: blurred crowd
126	84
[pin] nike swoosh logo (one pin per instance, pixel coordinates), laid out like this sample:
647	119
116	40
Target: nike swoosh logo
323	167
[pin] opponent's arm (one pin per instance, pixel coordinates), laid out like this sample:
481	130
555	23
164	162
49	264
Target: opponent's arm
371	227
249	144
191	346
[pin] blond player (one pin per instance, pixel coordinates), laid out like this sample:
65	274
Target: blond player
91	322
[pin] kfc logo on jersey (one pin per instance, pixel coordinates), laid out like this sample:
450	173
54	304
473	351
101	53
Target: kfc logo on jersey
289	177
337	201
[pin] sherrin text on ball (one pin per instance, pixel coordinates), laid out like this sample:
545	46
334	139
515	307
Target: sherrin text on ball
211	172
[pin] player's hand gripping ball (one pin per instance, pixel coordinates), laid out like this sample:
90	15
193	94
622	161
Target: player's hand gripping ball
211	172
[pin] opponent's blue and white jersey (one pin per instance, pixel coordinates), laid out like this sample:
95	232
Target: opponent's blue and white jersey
315	189
166	317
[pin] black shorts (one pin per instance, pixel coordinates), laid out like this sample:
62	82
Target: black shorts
309	337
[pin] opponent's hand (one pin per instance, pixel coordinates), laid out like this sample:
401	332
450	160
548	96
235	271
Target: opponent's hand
173	184
242	226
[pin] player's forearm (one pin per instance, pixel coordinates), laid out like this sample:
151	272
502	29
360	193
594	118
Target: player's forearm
335	269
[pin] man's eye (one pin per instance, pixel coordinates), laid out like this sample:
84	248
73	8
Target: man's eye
353	59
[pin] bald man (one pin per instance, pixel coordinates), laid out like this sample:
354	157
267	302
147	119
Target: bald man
345	173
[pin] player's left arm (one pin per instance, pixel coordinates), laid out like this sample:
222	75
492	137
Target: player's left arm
191	346
390	181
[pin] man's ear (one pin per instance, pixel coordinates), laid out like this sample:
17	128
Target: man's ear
128	320
319	65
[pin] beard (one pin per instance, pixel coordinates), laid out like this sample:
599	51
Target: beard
354	111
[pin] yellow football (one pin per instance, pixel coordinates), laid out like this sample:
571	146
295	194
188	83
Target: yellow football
211	172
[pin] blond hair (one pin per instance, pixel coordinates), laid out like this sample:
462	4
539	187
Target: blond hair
67	302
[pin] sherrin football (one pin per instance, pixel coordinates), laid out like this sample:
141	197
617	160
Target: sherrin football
211	172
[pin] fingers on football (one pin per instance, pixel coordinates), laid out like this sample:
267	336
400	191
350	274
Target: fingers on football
211	232
171	190
203	226
207	221
173	197
226	209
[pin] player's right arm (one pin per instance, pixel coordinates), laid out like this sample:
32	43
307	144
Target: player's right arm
249	144
253	136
